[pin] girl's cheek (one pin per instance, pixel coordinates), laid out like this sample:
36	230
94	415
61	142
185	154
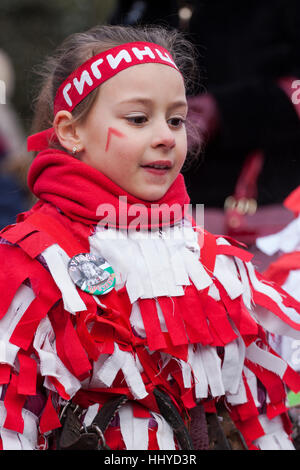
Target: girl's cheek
110	133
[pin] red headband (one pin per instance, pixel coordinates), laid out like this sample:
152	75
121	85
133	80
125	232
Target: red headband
93	73
105	65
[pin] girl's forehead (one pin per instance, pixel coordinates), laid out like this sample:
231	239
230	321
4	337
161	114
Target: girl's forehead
144	80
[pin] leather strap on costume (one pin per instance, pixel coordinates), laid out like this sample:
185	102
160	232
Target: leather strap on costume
75	436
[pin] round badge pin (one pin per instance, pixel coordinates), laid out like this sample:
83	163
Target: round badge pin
92	274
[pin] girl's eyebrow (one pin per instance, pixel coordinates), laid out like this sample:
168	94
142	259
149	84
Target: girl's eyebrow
148	101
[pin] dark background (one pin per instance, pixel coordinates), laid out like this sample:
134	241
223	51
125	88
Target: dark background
32	29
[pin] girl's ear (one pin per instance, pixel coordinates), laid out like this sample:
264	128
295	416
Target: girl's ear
66	131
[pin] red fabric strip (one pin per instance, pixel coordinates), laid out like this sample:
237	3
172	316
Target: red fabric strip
209	251
210	406
41	140
193	316
68	346
275	409
151	322
292	202
49	419
4	373
14	403
59	387
57	231
85	337
287	299
279	270
174	323
180	351
16	266
27	375
247	410
251	429
292	379
269	304
217	317
230	250
17	232
186	395
140	411
36	243
238	312
24	332
151	369
271	381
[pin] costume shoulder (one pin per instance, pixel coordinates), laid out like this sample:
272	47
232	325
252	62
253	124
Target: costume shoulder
35	292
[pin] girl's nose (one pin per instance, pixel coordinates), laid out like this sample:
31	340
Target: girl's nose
163	137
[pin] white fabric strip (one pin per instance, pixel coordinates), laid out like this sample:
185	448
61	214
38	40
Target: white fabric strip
234	356
21	301
10	440
266	359
247	295
136	320
269	291
95	381
226	272
252	382
50	363
134	430
287	240
274	324
164	434
123	360
213	292
201	383
175	256
14	441
275	437
187	369
239	397
196	271
161	316
292	284
152	264
212	366
90	414
205	365
262	287
57	261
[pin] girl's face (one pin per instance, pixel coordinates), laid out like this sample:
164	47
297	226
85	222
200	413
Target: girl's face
135	132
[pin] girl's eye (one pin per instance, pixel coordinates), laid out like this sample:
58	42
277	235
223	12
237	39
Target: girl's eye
176	122
137	120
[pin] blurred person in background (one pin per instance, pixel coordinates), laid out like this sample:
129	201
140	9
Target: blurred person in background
245	49
13	157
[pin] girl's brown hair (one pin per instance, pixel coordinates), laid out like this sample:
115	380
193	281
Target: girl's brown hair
79	47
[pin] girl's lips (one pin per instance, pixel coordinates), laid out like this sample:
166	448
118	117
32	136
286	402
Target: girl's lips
156	171
159	167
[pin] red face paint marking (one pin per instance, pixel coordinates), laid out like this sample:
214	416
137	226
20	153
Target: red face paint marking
112	130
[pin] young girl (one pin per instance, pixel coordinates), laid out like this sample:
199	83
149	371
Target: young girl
123	330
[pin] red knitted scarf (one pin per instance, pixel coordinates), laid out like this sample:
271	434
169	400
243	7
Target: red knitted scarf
83	193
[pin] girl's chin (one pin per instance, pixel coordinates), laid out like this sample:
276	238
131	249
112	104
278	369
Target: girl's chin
152	196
